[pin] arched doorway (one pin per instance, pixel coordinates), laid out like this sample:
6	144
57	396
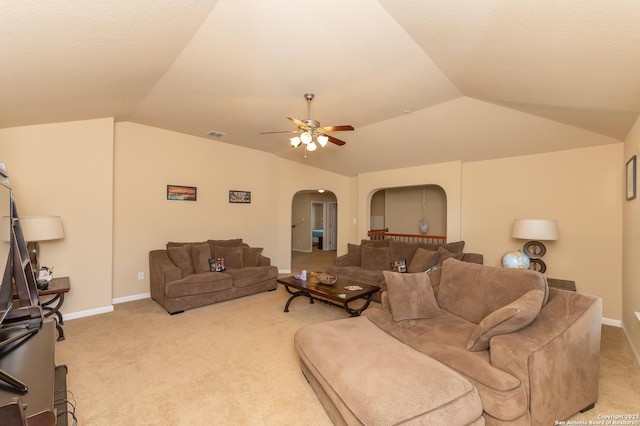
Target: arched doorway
401	209
313	229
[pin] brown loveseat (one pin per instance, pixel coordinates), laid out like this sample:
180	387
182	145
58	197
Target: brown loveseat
181	276
364	263
530	352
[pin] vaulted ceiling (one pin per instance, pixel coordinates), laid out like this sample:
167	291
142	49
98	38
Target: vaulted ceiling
422	81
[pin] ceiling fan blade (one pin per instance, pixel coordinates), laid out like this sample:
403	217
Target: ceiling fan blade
299	123
281	131
337	128
334	140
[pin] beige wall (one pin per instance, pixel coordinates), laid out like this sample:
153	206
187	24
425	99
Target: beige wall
147	159
579	188
114	208
66	169
631	250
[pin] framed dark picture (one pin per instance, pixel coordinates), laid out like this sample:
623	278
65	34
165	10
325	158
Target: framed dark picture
243	197
631	178
182	193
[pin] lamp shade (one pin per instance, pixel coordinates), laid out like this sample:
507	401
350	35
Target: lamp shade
535	229
41	228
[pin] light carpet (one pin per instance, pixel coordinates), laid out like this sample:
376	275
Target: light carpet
233	363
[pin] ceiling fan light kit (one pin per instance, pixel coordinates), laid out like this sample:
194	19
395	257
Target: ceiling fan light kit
311	132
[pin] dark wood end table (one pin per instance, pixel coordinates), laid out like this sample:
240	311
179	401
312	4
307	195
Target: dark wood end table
57	288
337	294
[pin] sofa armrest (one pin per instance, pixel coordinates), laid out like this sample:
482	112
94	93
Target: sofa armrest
161	271
557	357
473	258
341	260
264	261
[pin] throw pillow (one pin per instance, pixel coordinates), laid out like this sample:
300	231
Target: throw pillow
250	256
375	258
217	264
411	296
355	254
423	259
200	255
181	257
473	291
233	256
402	250
508	319
399	266
446	254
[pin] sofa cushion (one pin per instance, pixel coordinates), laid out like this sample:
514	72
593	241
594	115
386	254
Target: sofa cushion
250	256
233	256
473	291
194	284
411	296
236	242
508	319
354	253
423	259
200	255
375	243
375	258
400	250
181	257
252	275
455	247
356	274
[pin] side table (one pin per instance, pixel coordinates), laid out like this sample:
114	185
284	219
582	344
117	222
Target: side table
57	288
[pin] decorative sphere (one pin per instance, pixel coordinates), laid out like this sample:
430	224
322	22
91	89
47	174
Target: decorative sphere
516	259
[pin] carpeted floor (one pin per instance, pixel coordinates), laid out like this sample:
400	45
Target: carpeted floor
233	363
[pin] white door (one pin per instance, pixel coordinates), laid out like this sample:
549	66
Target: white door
331	227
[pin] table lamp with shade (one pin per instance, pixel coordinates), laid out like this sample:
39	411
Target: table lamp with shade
535	230
39	228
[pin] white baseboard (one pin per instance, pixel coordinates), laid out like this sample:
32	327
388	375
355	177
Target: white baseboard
635	353
284	271
88	313
612	322
131	298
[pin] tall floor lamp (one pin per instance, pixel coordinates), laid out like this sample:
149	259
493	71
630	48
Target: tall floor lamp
536	230
39	228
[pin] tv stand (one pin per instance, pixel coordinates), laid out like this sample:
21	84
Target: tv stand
32	361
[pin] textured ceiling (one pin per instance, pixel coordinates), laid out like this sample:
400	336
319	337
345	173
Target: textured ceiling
481	80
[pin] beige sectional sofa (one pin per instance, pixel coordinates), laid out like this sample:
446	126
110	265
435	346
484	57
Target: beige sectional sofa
528	353
181	276
365	262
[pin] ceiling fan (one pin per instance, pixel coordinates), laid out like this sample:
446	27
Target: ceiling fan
311	131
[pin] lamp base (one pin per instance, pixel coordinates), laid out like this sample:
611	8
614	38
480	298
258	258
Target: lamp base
535	250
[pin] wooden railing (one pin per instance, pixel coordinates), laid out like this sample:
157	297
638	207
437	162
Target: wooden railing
384	234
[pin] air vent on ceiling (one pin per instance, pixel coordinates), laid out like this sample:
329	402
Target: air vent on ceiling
215	134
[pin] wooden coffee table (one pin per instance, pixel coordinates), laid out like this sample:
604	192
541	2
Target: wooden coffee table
337	294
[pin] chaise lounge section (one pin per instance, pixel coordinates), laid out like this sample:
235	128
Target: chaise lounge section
181	276
529	351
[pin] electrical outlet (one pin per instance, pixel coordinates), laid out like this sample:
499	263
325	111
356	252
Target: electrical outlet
141	275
